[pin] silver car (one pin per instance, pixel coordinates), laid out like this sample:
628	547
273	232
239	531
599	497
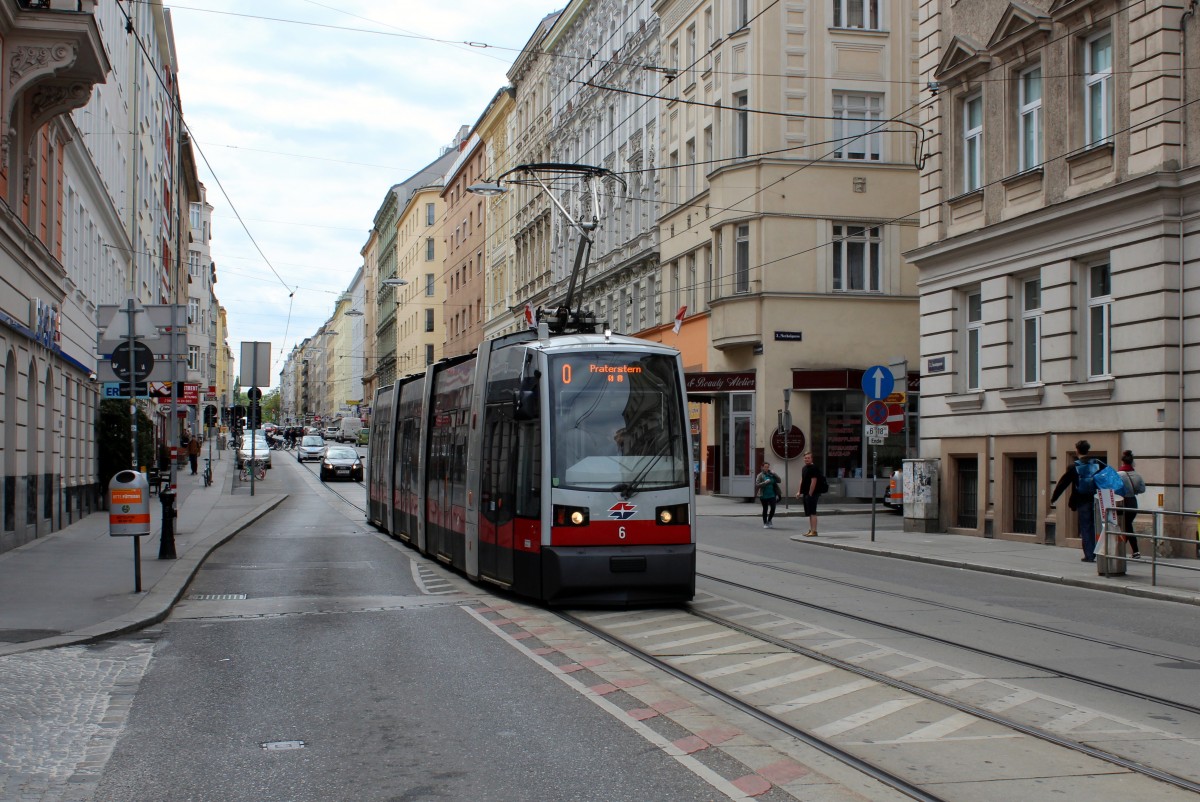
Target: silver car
262	449
311	447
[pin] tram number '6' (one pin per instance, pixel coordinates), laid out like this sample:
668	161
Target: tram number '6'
621	533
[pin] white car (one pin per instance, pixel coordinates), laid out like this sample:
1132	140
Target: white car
312	446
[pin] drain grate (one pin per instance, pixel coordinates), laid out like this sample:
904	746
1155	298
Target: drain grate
217	597
281	746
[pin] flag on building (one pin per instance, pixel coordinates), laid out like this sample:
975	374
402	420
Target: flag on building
679	316
530	320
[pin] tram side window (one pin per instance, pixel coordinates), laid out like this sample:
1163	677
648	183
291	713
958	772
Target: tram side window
529	470
499	476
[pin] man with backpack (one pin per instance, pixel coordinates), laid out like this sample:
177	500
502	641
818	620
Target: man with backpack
1080	476
812	485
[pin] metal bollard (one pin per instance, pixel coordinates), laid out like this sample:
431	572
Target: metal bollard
166	544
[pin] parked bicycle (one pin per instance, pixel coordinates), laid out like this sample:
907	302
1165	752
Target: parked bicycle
258	466
207	471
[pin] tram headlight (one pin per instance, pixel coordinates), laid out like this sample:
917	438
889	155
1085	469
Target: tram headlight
570	516
672	515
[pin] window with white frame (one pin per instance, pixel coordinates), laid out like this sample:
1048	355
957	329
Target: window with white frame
430	214
741	259
973	356
429	249
1029	107
856	266
193	357
856	14
741	124
430	284
676	289
856	114
1031	331
193	310
741	13
692	282
1097	88
972	143
1099	320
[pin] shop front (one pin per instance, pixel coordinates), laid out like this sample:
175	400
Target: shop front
837	409
729	459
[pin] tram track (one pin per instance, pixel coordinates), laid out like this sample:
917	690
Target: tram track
361	507
1123	690
748	660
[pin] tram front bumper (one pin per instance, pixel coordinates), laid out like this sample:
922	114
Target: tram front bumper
618	575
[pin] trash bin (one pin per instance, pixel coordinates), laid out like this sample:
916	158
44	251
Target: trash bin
129	505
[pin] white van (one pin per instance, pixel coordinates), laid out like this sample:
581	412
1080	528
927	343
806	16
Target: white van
347	430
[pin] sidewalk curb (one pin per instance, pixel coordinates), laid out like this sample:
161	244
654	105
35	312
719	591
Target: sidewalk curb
1156	594
158	601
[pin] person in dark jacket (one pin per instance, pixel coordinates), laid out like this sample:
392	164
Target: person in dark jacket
1129	503
1078	477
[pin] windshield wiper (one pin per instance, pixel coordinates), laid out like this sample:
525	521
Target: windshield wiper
629	489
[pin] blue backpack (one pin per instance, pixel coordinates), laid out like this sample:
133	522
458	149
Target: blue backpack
1085	473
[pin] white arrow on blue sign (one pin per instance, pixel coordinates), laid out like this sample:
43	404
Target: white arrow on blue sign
877	382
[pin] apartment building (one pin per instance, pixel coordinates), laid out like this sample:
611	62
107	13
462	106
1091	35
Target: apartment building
787	173
464	234
1058	225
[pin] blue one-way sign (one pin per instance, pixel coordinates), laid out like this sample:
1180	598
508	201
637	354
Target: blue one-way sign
877	382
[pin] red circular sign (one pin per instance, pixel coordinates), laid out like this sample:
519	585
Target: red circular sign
795	443
895	418
877	413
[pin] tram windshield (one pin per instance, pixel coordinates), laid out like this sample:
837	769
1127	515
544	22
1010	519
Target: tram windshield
616	422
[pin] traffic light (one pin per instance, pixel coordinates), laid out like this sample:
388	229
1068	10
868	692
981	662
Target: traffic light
210	415
255	415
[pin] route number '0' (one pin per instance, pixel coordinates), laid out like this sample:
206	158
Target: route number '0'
621	533
566	374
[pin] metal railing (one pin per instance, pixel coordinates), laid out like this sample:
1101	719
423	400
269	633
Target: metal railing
1155	538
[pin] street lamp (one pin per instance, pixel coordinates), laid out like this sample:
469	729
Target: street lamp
394	282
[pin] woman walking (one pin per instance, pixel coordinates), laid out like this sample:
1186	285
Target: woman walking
768	493
1129	503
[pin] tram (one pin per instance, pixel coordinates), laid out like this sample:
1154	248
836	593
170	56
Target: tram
557	467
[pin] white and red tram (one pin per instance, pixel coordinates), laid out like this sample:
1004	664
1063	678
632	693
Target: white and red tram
557	467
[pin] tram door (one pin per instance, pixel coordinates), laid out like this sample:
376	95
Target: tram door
737	443
497	494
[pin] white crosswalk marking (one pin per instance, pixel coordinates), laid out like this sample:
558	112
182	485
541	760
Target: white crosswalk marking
735	647
863	717
637	622
821	696
780	681
713	636
940	729
668	630
749	665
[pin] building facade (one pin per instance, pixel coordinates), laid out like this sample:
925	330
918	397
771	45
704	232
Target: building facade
1058	225
464	234
784	153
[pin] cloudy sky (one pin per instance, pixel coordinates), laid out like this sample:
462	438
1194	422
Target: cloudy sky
305	112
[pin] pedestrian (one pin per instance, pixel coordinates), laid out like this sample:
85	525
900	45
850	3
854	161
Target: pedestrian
1129	503
812	485
194	453
1080	477
768	493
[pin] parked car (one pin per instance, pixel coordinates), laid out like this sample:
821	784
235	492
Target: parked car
262	449
341	462
330	433
892	496
312	446
364	436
